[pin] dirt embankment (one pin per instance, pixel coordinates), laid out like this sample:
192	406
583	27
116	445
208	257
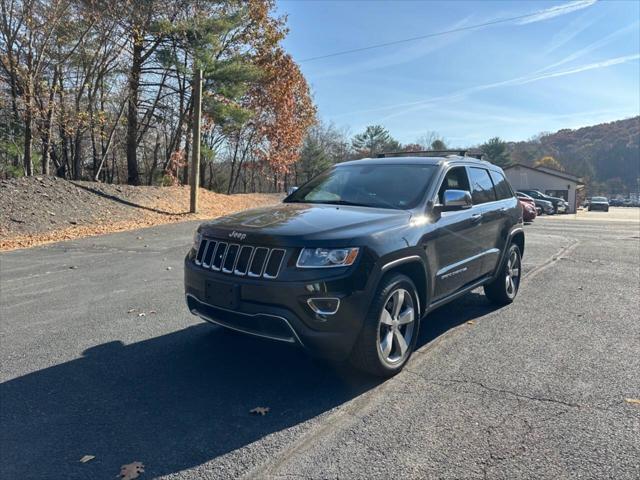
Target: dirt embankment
40	210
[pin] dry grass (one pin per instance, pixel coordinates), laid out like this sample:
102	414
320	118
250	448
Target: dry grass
45	210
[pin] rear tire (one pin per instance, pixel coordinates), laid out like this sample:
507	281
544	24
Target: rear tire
390	329
504	288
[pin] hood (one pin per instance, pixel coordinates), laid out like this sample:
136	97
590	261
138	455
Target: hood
297	222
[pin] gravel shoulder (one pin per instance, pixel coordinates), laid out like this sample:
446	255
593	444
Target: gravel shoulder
38	210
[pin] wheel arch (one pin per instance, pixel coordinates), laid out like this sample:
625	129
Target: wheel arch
414	268
518	238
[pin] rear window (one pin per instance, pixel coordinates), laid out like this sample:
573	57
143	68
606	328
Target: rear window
503	190
481	186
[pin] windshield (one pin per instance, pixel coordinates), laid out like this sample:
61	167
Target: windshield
384	186
598	199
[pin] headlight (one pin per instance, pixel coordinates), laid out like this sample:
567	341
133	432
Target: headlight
196	239
326	257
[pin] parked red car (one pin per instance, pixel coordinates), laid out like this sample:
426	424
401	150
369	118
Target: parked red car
528	205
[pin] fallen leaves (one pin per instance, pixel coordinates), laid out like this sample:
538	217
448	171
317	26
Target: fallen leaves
96	216
260	411
471	322
87	458
632	401
131	470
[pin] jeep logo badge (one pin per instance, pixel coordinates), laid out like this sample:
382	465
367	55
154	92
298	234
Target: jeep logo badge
237	235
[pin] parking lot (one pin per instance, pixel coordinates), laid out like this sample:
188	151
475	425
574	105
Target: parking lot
545	388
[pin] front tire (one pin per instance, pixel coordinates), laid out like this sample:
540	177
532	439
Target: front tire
390	330
504	288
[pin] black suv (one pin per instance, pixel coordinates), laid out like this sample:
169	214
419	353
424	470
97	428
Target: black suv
560	205
349	264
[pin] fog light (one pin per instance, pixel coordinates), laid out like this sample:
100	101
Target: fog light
324	306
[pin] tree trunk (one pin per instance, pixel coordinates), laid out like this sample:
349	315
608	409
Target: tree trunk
77	157
133	176
28	161
48	126
28	130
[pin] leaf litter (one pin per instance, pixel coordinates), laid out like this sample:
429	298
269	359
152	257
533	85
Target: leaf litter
260	411
131	471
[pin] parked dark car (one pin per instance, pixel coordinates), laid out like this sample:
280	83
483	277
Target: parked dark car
349	264
599	203
560	205
616	202
529	210
542	206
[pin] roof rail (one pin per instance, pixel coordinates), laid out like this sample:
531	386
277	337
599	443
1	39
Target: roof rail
433	153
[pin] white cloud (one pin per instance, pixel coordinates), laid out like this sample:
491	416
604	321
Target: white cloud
522	80
556	11
593	46
571	31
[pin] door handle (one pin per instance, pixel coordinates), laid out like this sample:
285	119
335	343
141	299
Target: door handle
476	217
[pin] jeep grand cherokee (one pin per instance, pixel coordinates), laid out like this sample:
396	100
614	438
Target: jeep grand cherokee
351	262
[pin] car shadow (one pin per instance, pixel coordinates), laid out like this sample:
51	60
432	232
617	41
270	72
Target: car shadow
469	307
173	402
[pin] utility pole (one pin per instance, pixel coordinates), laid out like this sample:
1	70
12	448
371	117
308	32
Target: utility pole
195	157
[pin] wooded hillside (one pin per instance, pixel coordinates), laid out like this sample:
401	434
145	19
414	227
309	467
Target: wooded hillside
607	155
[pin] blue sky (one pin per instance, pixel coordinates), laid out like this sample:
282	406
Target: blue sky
571	64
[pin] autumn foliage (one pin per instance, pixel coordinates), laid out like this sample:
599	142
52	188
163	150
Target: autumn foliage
284	110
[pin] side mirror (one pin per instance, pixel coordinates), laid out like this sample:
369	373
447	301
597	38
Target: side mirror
290	190
456	200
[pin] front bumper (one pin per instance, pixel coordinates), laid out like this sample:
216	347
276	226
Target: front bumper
278	310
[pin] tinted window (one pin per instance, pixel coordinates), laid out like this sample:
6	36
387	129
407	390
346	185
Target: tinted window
503	190
481	186
455	179
384	186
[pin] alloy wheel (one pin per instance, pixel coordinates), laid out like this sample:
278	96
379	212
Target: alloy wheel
396	326
512	277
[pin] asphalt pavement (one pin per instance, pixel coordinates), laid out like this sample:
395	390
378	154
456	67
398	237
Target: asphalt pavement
99	356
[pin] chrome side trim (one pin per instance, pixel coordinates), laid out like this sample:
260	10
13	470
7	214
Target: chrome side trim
323	312
284	253
400	261
453	266
457	293
218	322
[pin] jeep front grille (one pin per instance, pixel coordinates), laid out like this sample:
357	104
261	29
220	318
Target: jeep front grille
239	259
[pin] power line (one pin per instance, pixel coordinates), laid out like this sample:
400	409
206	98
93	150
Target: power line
431	35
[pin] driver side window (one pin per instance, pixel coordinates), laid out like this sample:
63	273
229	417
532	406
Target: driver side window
455	179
